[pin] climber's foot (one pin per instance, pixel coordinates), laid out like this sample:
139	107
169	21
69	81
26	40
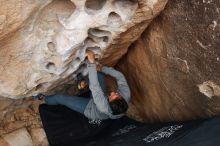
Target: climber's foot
38	97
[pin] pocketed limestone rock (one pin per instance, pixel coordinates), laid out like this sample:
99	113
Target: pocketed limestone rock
43	44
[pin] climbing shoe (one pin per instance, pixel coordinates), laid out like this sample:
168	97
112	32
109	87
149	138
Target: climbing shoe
38	97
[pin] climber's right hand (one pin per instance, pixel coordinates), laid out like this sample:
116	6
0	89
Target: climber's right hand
91	56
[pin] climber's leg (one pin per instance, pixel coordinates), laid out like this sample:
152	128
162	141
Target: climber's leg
73	102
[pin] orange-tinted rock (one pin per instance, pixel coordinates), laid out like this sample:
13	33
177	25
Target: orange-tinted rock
9	117
24	114
2	114
35	106
14	126
4	103
3	142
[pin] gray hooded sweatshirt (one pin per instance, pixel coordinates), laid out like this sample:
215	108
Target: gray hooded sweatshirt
98	107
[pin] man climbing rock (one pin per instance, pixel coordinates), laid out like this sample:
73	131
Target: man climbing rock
99	105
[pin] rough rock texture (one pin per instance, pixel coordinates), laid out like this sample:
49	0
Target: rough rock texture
174	67
14	14
43	43
19	138
39	137
3	142
21	114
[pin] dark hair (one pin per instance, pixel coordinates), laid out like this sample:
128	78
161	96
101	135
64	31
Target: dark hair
118	106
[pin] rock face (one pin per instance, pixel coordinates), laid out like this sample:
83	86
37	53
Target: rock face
19	138
43	43
39	137
174	67
20	123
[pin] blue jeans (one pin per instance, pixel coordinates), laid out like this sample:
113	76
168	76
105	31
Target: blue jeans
74	102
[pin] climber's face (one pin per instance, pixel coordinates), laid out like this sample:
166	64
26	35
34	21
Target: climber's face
83	84
113	95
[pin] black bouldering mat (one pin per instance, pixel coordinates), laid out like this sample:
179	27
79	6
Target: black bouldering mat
65	127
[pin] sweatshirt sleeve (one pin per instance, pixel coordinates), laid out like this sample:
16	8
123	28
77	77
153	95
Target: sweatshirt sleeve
121	81
97	93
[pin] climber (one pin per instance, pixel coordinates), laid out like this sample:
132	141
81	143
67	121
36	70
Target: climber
80	87
99	105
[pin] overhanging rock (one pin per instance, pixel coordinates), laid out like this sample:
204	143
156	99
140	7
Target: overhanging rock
43	44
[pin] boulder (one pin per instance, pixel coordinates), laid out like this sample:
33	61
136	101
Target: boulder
18	138
4	103
3	142
43	43
173	69
39	137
